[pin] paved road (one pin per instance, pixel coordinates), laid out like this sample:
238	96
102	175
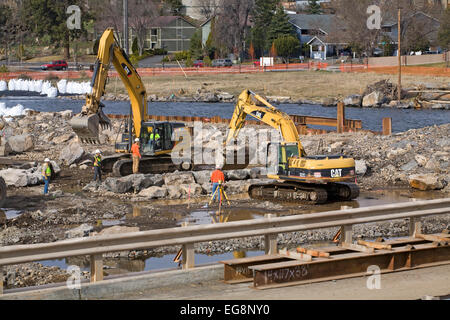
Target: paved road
406	285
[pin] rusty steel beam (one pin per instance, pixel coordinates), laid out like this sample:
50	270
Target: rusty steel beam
349	265
237	270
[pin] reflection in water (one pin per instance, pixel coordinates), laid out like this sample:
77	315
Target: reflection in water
137	211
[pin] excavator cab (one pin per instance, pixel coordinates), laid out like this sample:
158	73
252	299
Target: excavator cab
156	137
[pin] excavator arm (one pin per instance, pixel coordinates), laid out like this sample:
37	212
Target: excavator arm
86	124
267	114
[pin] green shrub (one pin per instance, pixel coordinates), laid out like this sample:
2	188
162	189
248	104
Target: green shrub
159	52
207	61
3	68
135	47
134	60
189	63
181	55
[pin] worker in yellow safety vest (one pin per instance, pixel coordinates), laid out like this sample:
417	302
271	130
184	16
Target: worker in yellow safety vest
98	166
46	173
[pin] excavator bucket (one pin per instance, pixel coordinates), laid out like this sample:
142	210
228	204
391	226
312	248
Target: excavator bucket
86	128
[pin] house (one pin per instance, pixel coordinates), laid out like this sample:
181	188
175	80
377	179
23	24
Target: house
172	33
206	28
417	22
315	30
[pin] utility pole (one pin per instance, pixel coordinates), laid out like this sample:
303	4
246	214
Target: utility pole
125	26
399	53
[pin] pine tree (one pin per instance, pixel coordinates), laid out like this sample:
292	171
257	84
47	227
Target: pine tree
280	25
196	46
444	30
262	14
314	7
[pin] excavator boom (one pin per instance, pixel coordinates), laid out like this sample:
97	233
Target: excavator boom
86	124
265	113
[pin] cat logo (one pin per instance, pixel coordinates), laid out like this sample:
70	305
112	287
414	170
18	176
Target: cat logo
336	173
127	70
258	114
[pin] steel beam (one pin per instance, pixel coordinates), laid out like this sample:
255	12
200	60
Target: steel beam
399	259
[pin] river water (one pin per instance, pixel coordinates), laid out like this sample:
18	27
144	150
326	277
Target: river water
402	120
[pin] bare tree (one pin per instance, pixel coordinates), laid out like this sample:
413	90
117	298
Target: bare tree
109	14
141	15
208	8
232	25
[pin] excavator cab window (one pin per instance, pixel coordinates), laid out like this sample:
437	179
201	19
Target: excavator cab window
286	152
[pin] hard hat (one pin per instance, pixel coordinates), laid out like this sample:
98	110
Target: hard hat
136	140
97	151
47	160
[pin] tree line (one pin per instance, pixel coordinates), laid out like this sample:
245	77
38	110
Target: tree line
247	28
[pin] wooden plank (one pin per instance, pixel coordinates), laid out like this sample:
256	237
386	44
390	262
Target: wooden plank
340	117
387	126
296	255
356	247
313	253
433	238
96	268
374	244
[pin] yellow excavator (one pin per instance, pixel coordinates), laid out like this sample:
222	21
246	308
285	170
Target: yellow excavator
155	137
300	178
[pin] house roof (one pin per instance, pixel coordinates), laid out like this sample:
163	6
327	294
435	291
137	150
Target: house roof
323	22
163	21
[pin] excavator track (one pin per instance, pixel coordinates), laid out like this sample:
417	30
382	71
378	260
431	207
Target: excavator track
289	192
304	193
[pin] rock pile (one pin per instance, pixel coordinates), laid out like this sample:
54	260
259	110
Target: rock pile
176	185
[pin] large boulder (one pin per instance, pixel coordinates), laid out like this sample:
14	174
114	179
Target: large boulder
175	192
353	100
176	178
202	177
426	182
72	153
118	185
21	143
79	232
192	189
115	230
154	192
373	99
411	165
360	167
236	174
20	177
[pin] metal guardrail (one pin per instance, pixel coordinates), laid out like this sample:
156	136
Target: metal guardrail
187	236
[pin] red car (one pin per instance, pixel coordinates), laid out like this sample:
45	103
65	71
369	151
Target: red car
198	63
56	65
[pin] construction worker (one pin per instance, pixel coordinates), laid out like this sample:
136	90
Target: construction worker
217	178
98	166
46	173
155	137
136	155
